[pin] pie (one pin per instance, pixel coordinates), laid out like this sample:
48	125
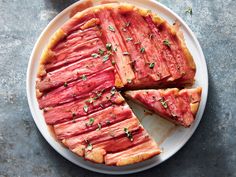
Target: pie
97	56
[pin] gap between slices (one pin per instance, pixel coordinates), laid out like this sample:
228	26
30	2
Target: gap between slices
99	52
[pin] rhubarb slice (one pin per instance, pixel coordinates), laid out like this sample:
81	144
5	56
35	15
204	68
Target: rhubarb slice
78	89
178	106
70	54
77	70
141	33
138	62
97	120
175	44
132	155
112	37
163	46
99	150
95	101
104	134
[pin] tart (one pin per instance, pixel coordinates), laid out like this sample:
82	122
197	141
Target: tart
88	63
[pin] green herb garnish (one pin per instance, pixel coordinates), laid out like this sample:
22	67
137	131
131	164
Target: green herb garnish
108	122
105	58
65	84
85	108
129	81
89	147
111	28
95	55
129	39
91	121
142	50
115	49
166	42
128	134
109	46
84	77
189	10
113	62
151	65
101	52
163	103
90	100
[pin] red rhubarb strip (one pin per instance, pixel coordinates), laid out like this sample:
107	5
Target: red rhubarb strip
111	35
122	143
106	133
133	155
77	89
179	108
72	72
95	101
153	100
166	53
138	63
191	95
74	53
77	37
98	151
97	120
141	32
177	51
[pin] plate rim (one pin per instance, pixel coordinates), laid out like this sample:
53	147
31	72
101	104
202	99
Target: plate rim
28	86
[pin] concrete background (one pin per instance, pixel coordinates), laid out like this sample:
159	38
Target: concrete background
211	150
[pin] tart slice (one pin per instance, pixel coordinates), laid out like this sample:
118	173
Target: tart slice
178	106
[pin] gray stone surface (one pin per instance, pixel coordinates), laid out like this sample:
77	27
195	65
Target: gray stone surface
210	152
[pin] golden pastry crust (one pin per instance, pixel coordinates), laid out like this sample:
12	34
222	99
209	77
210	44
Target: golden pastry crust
47	54
134	155
138	158
95	155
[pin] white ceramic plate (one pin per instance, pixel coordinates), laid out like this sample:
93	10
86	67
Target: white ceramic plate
170	137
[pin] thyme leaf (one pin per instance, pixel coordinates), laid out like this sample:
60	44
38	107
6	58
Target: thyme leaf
128	134
166	42
111	28
151	65
95	55
189	10
163	103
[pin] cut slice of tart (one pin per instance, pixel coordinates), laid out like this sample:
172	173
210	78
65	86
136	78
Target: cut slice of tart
178	106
